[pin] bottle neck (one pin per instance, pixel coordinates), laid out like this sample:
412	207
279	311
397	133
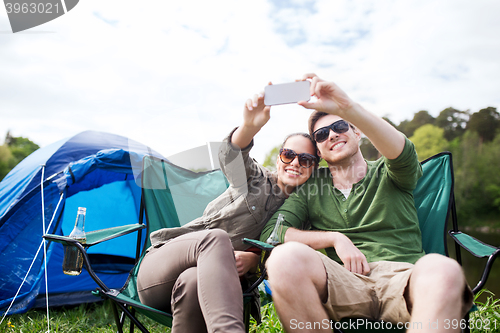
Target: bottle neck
80	221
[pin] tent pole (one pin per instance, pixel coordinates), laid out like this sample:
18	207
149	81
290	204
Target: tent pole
45	249
32	262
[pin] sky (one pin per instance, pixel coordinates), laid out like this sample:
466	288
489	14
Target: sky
174	75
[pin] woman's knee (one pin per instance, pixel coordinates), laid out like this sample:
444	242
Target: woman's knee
215	237
186	287
218	235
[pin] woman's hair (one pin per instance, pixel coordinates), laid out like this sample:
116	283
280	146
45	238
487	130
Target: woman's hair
307	136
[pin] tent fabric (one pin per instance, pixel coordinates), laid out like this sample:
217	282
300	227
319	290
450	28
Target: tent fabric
91	169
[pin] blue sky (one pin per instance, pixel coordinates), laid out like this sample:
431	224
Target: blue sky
175	74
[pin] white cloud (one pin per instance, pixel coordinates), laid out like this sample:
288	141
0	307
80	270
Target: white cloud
174	75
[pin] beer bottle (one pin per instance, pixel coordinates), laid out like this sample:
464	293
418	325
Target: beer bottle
73	258
278	227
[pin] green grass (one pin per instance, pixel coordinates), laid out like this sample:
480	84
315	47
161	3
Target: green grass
270	321
98	317
487	315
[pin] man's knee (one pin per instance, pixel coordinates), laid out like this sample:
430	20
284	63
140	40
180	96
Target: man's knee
292	265
291	261
289	255
439	274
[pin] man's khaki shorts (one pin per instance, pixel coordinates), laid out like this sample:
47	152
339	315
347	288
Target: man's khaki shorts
378	296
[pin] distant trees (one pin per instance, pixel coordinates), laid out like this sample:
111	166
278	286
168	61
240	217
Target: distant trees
474	141
270	159
485	123
13	151
419	119
453	122
429	140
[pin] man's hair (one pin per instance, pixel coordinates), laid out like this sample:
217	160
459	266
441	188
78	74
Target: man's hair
313	119
317	115
307	136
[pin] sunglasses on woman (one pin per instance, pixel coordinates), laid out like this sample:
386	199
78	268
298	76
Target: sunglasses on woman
339	127
305	160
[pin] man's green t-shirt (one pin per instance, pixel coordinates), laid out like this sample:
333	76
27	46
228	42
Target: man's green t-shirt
379	215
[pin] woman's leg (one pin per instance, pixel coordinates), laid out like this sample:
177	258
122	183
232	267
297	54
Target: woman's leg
219	290
185	305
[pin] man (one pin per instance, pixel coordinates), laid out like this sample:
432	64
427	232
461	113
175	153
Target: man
363	214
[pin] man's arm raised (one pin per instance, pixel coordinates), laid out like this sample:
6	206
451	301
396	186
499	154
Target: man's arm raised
331	99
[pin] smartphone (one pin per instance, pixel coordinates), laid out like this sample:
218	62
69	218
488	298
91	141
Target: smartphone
287	93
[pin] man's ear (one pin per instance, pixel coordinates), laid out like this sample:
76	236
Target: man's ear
318	152
357	132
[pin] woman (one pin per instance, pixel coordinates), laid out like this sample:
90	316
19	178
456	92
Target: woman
193	271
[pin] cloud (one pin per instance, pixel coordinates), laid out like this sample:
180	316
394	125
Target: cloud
174	75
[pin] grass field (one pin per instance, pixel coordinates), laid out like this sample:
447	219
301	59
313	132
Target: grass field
98	317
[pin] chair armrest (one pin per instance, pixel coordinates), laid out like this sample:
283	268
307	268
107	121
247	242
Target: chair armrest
64	240
473	245
258	244
261	270
477	249
97	236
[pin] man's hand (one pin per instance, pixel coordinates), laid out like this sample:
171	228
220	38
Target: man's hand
330	98
333	100
354	260
246	261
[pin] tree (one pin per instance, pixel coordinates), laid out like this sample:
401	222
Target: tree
6	159
20	147
13	151
270	159
453	122
477	180
368	149
419	119
429	140
485	123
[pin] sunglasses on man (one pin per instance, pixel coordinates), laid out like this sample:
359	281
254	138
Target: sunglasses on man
305	160
339	127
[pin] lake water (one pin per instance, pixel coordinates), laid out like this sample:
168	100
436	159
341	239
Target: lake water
474	267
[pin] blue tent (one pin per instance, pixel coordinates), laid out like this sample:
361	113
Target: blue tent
93	170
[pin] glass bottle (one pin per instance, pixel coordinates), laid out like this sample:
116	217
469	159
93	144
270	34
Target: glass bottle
274	238
73	258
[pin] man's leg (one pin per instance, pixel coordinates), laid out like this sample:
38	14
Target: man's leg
299	284
436	293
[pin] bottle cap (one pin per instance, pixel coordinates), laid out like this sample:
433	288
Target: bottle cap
82	210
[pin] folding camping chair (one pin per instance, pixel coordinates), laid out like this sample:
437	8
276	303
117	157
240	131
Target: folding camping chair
171	197
434	200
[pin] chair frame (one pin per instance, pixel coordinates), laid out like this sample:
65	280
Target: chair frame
128	309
